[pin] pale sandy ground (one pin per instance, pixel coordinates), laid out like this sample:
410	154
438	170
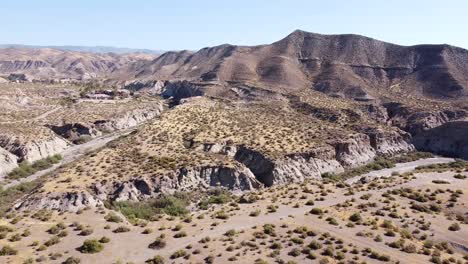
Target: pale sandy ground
133	246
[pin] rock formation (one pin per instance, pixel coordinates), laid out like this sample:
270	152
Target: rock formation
8	162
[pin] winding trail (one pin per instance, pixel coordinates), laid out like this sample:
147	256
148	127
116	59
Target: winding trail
39	117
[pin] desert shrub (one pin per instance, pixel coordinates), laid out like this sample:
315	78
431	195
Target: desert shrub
255	213
8	251
25	168
180	234
314	245
295	252
91	246
178	254
459	176
52	241
316	211
121	229
248	198
230	233
86	232
174	205
221	215
269	229
217	196
104	240
10	195
356	217
410	248
454	227
72	260
412	156
155	260
113	217
440	182
158	243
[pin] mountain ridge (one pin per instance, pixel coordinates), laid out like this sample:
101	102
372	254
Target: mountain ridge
349	66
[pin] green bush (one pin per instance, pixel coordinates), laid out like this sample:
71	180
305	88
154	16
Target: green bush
168	204
217	196
91	246
26	169
113	217
10	195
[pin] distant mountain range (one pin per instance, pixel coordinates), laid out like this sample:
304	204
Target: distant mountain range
346	66
92	49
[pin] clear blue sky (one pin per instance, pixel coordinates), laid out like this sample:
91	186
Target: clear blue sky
177	24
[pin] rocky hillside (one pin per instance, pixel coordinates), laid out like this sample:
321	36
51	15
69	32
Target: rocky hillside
349	66
55	64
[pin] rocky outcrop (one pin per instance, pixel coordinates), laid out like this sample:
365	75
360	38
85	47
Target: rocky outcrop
449	139
290	168
128	120
440	132
253	170
75	131
69	201
299	167
356	151
236	178
152	86
34	149
389	142
416	122
8	162
178	90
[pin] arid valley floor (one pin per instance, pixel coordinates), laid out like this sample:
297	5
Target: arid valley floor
312	149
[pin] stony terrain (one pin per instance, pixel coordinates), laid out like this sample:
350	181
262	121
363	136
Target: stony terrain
408	218
315	148
38	121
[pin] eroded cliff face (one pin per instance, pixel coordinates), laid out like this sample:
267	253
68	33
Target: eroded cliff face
236	179
128	120
449	139
8	162
35	149
440	131
69	201
75	131
251	170
357	150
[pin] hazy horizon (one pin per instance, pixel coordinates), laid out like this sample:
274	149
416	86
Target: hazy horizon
186	25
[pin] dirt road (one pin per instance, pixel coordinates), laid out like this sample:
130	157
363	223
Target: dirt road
41	116
401	168
73	153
